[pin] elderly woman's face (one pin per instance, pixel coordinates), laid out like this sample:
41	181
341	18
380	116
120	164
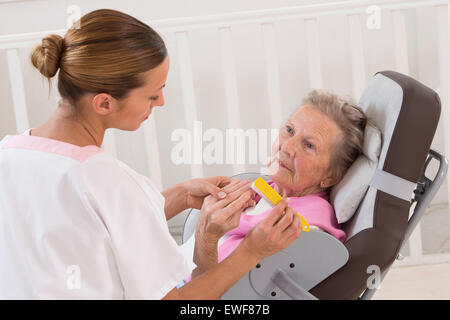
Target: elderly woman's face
301	154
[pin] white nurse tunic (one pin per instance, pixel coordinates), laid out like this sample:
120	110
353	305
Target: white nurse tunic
76	223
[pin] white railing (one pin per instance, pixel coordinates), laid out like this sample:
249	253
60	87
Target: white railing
355	11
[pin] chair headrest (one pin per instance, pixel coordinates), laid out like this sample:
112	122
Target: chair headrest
346	195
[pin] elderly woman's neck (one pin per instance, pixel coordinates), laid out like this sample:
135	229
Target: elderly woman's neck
289	192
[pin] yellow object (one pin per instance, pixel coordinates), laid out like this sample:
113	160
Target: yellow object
275	198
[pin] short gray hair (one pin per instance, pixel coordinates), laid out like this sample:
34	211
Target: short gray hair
350	119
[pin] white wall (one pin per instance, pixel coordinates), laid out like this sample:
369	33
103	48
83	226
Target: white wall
41	15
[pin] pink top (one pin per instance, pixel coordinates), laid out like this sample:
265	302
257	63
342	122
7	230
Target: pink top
315	208
25	141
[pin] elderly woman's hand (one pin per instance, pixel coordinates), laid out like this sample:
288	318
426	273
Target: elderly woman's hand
217	217
274	233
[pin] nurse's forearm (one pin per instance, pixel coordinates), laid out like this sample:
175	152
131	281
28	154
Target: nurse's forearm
175	200
213	283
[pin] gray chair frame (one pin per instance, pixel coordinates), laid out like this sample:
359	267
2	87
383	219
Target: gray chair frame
423	194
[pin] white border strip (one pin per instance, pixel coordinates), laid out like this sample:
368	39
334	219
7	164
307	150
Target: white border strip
244	17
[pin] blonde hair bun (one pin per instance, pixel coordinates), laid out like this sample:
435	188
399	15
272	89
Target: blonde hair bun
46	57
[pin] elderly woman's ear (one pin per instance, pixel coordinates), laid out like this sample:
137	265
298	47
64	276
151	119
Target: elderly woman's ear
326	183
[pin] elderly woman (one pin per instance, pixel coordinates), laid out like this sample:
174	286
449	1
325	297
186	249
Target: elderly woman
314	149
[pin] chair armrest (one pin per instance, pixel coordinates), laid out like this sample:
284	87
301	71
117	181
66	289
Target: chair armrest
290	287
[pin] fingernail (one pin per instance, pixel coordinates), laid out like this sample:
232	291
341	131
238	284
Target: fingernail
222	194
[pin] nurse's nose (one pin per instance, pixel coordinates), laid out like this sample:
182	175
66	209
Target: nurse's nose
160	102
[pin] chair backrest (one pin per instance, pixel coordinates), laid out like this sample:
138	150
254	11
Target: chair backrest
407	114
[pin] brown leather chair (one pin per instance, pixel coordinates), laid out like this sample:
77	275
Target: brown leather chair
407	113
414	110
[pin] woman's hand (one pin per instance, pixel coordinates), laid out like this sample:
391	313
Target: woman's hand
198	189
217	217
191	194
274	233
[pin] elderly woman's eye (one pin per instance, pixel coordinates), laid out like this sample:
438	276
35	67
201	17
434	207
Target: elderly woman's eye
309	145
289	130
154	98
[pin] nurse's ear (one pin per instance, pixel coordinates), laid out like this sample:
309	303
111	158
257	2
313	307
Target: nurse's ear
103	103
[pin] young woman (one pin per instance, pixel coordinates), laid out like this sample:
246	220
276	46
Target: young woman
78	223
